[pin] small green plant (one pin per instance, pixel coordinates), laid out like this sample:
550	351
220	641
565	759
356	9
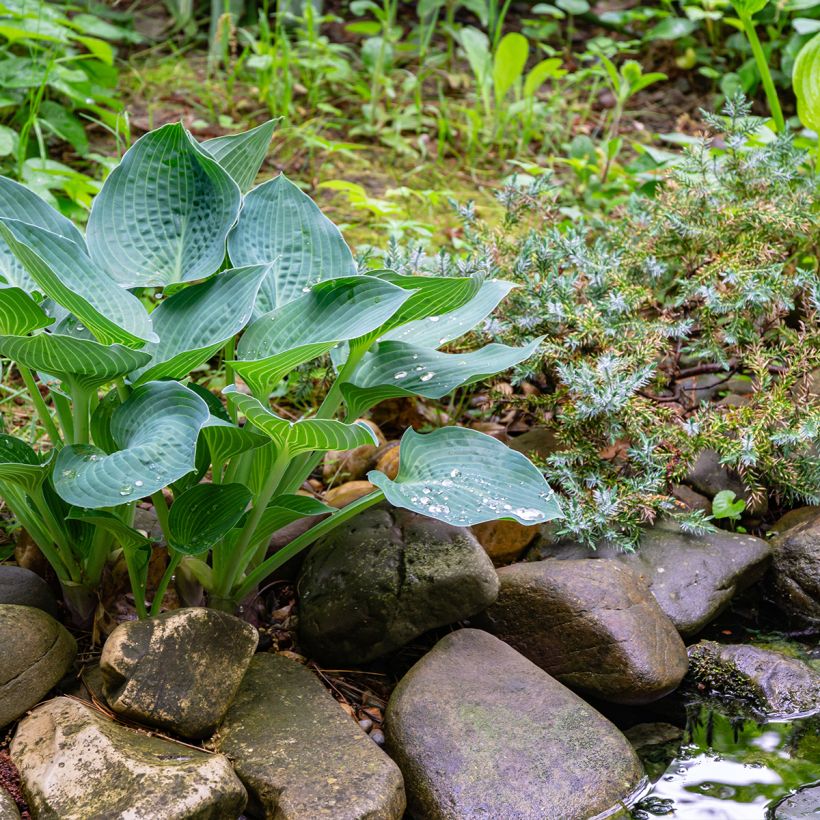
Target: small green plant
176	219
807	85
726	506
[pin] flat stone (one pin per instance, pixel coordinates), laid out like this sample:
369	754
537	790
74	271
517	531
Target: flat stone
299	755
76	764
693	577
36	653
804	804
23	587
179	671
385	578
773	684
708	476
481	732
8	808
593	625
794	580
505	540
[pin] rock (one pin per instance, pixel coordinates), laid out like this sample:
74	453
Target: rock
539	441
504	541
347	493
386	577
179	671
647	735
36	653
593	625
804	804
694	501
351	465
76	764
299	755
794	580
708	476
774	684
480	732
387	459
25	588
693	577
8	808
799	515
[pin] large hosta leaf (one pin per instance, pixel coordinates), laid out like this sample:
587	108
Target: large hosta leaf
20	465
18	202
309	326
197	321
241	155
204	514
86	363
397	369
281	223
225	440
19	313
465	477
163	213
157	430
126	536
436	330
302	436
66	274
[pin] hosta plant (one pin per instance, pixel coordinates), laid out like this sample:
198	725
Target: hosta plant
263	277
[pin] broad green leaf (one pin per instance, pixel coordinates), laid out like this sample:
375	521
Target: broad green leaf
476	46
204	514
101	421
435	331
305	435
748	8
86	363
163	213
242	155
396	369
284	510
726	505
18	202
19	313
509	62
20	464
197	321
465	477
309	326
66	274
279	223
127	537
540	73
806	81
225	440
156	428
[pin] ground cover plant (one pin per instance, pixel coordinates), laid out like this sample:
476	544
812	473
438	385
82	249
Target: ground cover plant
73	312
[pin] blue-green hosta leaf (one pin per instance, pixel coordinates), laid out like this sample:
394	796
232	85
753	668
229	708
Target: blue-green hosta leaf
306	435
225	440
242	155
465	477
436	330
279	223
204	514
197	321
163	213
156	428
396	369
18	202
19	313
86	363
309	326
67	275
20	464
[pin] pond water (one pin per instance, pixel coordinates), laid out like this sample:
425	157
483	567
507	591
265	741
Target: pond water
731	767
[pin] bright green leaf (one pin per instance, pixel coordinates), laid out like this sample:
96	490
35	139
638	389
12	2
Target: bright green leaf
20	465
806	81
19	313
508	64
204	514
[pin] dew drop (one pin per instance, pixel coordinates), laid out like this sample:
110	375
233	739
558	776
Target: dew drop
455	473
400	375
68	473
528	513
126	489
138	483
434	318
427	376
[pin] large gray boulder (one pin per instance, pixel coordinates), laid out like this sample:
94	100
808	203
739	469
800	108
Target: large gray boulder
773	684
299	755
76	764
35	653
693	577
480	732
388	576
179	671
23	587
594	625
804	804
795	573
8	808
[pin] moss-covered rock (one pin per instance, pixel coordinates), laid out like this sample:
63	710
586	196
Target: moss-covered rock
481	732
35	652
179	671
77	764
299	755
794	580
386	577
